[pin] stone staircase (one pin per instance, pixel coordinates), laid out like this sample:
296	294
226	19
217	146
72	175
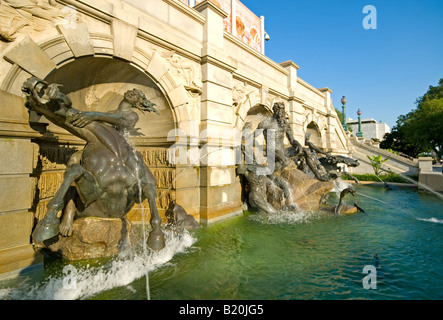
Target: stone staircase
398	164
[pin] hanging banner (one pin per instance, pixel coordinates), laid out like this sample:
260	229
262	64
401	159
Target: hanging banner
247	23
248	26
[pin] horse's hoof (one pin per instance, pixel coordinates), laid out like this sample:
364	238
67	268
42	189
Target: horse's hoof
45	231
156	240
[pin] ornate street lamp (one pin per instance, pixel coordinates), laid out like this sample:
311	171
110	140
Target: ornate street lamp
359	133
343	102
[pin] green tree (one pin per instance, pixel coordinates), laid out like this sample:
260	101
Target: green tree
396	140
425	126
421	129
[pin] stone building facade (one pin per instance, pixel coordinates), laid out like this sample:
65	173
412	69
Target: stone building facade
370	128
205	81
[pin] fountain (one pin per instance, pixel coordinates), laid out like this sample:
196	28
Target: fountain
108	174
291	198
203	80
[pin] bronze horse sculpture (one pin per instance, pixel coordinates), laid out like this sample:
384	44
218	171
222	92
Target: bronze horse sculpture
109	175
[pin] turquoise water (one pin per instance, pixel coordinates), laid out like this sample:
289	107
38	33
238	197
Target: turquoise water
290	256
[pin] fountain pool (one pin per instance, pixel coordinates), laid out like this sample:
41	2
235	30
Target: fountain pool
310	255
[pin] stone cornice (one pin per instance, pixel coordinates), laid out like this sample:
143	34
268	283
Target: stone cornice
289	63
207	4
278	94
184	8
223	65
325	89
308	86
296	99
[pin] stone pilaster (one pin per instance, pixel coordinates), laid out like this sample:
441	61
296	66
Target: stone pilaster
17	186
296	109
219	187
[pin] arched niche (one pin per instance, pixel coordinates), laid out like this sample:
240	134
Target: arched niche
256	114
98	84
316	138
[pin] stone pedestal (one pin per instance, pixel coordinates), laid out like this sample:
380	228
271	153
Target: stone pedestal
93	238
427	178
425	164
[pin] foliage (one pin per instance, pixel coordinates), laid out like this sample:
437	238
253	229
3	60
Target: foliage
421	129
388	177
425	126
392	151
376	163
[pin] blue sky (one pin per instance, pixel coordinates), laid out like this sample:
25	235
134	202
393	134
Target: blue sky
381	71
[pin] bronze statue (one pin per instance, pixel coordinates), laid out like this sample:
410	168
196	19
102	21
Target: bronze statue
179	219
256	175
342	208
308	157
330	163
109	175
257	188
280	126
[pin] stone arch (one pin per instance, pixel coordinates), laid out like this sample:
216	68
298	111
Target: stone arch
316	135
58	51
257	113
98	84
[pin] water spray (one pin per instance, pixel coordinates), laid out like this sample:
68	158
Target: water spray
140	200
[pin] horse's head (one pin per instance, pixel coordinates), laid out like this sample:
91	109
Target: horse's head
34	88
45	98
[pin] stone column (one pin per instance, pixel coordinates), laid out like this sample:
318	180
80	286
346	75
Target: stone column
331	144
219	186
330	132
296	109
17	186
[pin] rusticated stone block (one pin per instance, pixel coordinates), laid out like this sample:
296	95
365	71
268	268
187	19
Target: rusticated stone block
15	229
15	192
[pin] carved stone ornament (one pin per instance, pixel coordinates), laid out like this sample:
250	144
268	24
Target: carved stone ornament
186	71
35	15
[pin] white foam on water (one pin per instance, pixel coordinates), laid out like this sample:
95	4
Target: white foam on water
5	293
286	217
89	281
434	220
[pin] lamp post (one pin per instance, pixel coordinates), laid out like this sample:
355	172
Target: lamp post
359	133
343	102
